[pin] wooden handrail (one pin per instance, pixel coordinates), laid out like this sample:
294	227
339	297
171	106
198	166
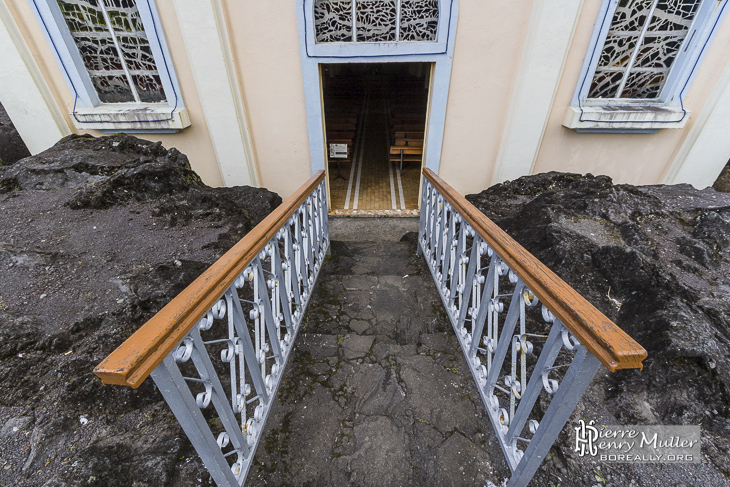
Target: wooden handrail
133	361
614	348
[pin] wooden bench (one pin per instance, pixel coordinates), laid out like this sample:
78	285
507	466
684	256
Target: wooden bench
336	134
340	120
341	127
403	153
408	127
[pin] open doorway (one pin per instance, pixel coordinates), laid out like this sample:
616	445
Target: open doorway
375	119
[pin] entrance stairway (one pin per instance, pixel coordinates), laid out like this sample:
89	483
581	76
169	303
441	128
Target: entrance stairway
374	391
377	391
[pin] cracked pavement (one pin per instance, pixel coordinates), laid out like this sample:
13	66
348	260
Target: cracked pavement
377	391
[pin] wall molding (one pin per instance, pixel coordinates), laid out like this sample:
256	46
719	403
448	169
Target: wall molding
25	95
207	42
548	41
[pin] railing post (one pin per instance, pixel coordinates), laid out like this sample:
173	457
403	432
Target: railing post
171	384
572	387
172	346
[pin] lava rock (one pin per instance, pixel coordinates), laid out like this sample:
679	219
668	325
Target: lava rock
12	147
654	259
96	236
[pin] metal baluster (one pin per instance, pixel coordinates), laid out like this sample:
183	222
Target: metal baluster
284	299
484	310
207	373
547	357
505	339
268	318
174	389
467	294
423	217
249	352
576	380
458	252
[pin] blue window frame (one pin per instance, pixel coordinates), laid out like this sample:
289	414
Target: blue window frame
115	60
641	60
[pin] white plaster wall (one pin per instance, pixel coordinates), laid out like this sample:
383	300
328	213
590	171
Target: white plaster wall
25	95
487	53
194	141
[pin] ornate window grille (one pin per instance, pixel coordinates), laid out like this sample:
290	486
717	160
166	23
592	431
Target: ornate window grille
642	44
376	20
115	50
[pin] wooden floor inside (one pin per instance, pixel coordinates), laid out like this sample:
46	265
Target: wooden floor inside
371	181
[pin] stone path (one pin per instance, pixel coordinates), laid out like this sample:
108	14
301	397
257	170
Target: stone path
377	392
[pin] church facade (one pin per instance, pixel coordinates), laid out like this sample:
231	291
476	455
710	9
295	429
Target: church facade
635	89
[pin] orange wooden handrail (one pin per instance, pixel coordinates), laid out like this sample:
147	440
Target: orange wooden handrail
137	357
614	348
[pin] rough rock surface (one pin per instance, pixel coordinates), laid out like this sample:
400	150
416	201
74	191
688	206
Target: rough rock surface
12	147
96	235
722	183
656	260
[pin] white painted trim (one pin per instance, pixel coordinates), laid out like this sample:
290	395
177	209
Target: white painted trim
135	116
375	49
699	37
76	76
208	46
549	36
24	93
706	149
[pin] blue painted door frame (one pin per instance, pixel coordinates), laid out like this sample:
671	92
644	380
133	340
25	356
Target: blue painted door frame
440	53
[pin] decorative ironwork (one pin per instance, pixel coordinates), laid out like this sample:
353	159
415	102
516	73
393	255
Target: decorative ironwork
641	46
375	20
419	20
235	356
516	349
114	48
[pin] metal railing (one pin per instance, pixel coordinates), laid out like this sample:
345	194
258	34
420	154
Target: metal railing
226	338
478	268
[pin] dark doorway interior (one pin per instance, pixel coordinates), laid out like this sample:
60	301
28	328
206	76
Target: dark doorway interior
375	117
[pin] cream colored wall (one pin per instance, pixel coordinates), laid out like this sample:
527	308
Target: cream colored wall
489	40
487	53
627	158
192	141
265	42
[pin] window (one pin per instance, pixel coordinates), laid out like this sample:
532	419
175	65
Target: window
115	62
376	20
115	50
640	61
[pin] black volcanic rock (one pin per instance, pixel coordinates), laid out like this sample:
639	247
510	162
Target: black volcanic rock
96	236
656	260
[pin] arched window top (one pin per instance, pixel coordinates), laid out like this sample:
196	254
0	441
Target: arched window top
376	20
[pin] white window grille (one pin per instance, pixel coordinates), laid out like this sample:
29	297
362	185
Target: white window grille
641	60
376	20
641	47
114	48
115	60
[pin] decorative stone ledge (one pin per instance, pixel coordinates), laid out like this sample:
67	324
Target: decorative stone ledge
625	117
137	117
